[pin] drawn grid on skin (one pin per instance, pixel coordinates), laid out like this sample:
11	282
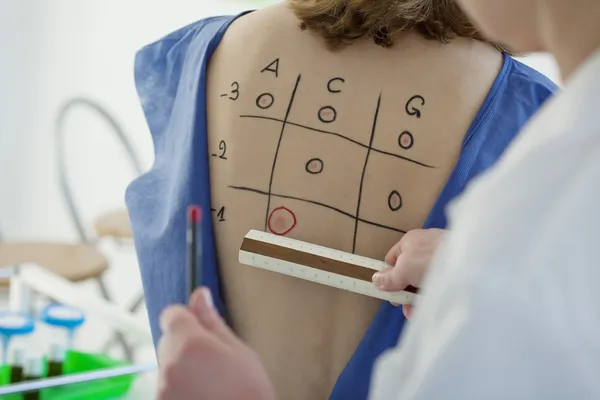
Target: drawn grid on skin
340	136
369	148
283	124
362	178
347	214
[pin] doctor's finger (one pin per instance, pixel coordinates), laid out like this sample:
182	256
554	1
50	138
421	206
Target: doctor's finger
179	328
176	350
392	256
201	304
391	279
177	320
182	325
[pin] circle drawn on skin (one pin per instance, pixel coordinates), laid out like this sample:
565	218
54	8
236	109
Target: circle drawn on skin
314	166
265	101
281	221
394	201
406	140
327	114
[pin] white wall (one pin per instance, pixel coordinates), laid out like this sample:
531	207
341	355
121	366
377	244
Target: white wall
52	50
67	48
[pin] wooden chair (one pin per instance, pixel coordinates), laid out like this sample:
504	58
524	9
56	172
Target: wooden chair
74	262
115	225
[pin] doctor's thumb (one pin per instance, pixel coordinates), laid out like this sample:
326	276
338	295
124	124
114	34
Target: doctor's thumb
201	303
390	280
202	306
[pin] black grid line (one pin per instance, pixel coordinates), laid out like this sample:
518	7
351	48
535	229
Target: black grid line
317	203
284	122
362	177
356	217
340	136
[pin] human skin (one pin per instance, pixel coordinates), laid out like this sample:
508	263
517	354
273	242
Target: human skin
307	178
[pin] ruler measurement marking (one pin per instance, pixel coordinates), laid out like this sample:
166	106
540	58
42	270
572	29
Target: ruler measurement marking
297	258
310	260
329	279
317	250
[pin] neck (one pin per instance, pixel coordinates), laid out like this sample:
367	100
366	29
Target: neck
570	31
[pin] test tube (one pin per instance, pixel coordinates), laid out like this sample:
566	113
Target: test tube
17	365
33	371
13	325
65	318
56	359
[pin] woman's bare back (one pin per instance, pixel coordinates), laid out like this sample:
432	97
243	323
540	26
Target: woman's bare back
345	149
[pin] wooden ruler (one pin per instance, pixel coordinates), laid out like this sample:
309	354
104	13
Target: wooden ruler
318	264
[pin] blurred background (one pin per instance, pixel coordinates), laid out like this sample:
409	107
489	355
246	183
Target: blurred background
59	50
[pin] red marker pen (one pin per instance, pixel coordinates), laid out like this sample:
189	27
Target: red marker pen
194	248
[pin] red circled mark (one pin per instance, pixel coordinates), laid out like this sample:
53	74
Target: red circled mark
281	221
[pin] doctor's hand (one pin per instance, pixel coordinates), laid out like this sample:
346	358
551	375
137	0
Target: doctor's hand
201	358
409	260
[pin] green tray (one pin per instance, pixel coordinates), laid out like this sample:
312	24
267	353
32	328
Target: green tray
77	362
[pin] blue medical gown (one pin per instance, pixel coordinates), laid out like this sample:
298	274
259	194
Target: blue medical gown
170	77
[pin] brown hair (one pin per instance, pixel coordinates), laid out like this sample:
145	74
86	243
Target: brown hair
340	22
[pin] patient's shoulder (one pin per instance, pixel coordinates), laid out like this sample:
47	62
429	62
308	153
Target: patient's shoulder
518	93
529	84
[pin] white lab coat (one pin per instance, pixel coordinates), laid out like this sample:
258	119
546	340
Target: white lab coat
511	307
